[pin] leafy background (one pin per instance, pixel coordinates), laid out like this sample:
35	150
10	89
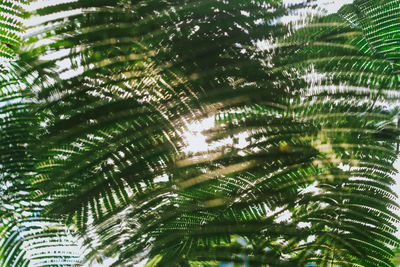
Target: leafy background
95	144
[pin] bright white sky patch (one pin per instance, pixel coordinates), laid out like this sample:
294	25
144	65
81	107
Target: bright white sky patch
333	6
43	3
329	5
35	20
284	217
196	141
194	138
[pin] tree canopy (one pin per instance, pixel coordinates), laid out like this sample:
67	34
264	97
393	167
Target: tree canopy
96	100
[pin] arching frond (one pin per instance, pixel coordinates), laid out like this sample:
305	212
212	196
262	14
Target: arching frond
11	17
116	84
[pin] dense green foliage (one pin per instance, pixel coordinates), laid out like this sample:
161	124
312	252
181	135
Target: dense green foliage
11	14
96	102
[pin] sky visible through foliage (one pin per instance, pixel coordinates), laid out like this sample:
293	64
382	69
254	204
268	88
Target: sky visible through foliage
196	141
193	138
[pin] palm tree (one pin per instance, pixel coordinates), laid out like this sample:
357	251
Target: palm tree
101	148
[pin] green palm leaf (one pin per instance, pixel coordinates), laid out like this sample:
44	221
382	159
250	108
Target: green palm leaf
116	83
11	18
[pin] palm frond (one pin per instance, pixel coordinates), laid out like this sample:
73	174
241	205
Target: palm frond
310	184
11	19
26	237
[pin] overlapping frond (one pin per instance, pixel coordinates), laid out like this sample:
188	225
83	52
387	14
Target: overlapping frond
27	238
34	241
113	127
11	17
116	83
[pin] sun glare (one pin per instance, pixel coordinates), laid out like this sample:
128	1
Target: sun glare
196	141
194	138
